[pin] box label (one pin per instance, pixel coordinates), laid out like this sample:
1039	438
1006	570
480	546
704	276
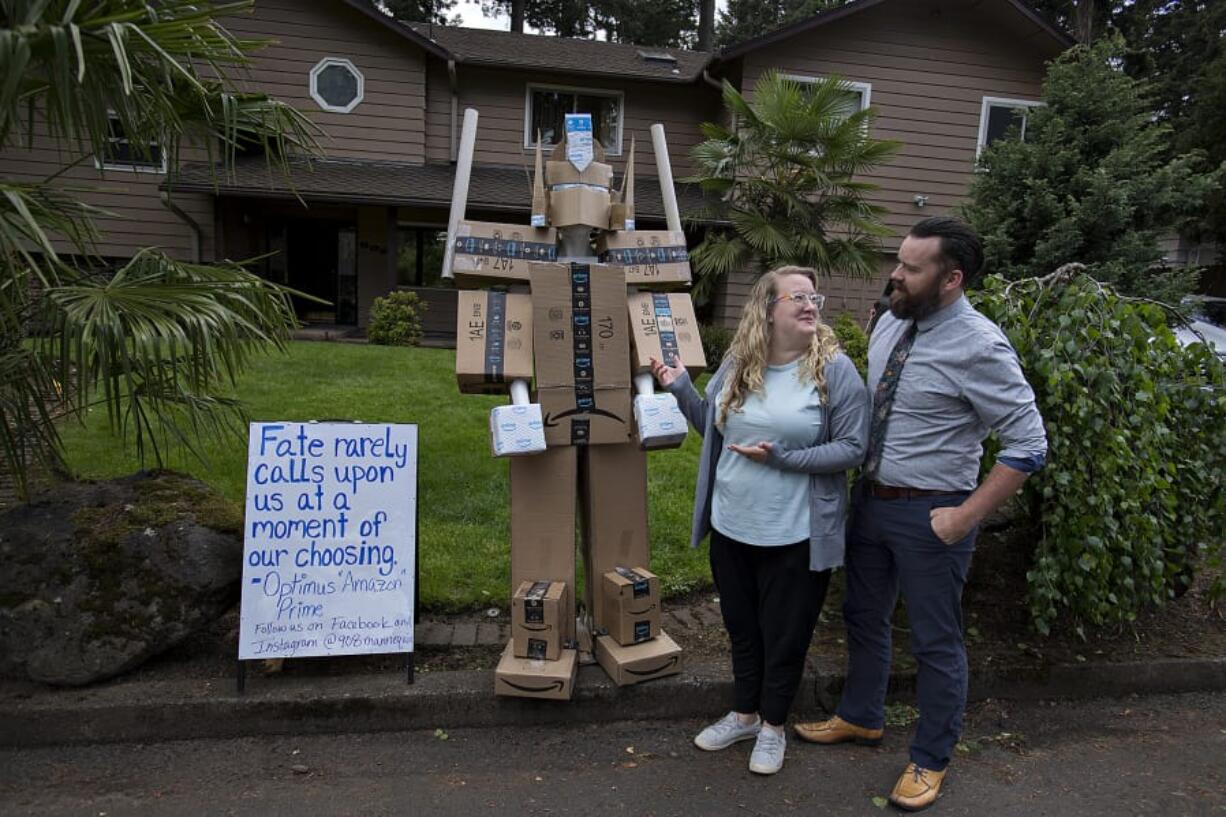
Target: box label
579	150
664	324
642	631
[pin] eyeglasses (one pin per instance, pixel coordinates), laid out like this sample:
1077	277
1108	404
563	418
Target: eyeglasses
802	298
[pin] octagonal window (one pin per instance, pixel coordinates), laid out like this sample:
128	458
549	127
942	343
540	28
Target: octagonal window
337	85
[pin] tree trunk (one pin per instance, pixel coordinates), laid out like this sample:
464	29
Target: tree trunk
706	25
517	16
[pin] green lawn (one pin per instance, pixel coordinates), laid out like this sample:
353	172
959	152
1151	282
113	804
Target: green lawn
464	518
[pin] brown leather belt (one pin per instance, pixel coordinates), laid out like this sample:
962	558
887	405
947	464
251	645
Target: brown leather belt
879	491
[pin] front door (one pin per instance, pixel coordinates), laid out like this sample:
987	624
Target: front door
320	260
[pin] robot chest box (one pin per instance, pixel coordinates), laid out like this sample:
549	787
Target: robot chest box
582	350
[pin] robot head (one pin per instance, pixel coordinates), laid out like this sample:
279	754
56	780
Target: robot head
577	187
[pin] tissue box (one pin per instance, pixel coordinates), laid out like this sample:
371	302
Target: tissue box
517	430
659	421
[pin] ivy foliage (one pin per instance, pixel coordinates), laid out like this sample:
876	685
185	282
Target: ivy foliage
1130	502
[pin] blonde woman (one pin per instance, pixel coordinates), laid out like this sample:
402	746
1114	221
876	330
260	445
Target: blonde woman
785	417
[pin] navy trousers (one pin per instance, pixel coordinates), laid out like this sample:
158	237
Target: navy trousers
891	547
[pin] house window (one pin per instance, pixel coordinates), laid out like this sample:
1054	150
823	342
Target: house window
419	260
120	154
545	107
856	96
999	115
337	85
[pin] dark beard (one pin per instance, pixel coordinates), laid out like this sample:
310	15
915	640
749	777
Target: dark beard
917	306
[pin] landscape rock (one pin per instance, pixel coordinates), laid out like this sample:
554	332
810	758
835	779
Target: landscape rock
98	577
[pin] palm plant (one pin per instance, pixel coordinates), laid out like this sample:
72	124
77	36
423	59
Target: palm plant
159	339
782	182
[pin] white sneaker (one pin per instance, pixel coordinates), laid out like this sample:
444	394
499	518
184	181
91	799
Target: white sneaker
725	732
767	756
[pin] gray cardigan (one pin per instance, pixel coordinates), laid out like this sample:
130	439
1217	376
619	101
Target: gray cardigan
841	447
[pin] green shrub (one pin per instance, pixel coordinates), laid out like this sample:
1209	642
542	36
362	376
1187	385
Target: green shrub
853	340
1136	428
395	319
715	343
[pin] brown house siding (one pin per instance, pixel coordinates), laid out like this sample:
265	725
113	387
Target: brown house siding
929	73
929	67
499	97
135	216
389	123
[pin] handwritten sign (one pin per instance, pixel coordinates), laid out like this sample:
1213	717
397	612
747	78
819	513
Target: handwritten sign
330	540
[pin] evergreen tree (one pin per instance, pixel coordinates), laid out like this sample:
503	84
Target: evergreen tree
1178	47
420	11
743	20
564	18
1091	183
668	23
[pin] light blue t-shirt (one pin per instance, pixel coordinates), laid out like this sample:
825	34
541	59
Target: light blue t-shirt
753	502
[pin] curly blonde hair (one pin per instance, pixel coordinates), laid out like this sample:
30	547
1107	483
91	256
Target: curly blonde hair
750	347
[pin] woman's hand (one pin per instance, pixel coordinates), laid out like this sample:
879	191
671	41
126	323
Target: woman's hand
757	453
665	375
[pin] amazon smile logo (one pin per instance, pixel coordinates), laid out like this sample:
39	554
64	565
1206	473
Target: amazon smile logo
553	686
669	664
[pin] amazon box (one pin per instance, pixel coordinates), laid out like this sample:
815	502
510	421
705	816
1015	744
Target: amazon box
535	678
535	613
487	254
578	197
581	347
639	662
615	531
631	601
653	259
493	341
543	526
663	326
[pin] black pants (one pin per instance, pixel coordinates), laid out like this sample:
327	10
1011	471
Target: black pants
770	601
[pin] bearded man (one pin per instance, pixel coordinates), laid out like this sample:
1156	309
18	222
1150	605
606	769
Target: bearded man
942	377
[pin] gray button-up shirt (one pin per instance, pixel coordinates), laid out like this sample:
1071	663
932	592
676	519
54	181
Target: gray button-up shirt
961	380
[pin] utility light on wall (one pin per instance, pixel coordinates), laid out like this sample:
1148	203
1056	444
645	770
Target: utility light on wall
920	200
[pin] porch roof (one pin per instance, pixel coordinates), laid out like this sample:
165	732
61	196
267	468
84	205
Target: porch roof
394	184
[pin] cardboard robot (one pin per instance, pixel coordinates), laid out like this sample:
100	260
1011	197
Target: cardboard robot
563	314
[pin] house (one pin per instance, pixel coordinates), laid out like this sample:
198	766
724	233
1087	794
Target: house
944	75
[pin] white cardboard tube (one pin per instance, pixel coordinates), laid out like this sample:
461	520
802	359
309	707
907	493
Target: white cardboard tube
519	392
459	193
645	384
665	171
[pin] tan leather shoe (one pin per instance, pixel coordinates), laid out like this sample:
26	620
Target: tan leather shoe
917	789
837	730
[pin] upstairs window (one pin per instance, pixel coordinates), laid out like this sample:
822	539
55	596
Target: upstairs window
121	154
998	115
856	96
337	85
545	107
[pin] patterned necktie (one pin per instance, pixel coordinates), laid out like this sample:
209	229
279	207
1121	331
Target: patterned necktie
883	399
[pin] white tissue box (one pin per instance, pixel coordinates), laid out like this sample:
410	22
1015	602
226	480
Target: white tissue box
517	430
660	421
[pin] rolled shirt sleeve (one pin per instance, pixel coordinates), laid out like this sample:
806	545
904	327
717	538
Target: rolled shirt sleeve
999	394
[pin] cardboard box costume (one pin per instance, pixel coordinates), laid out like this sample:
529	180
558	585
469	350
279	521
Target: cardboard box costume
543	303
